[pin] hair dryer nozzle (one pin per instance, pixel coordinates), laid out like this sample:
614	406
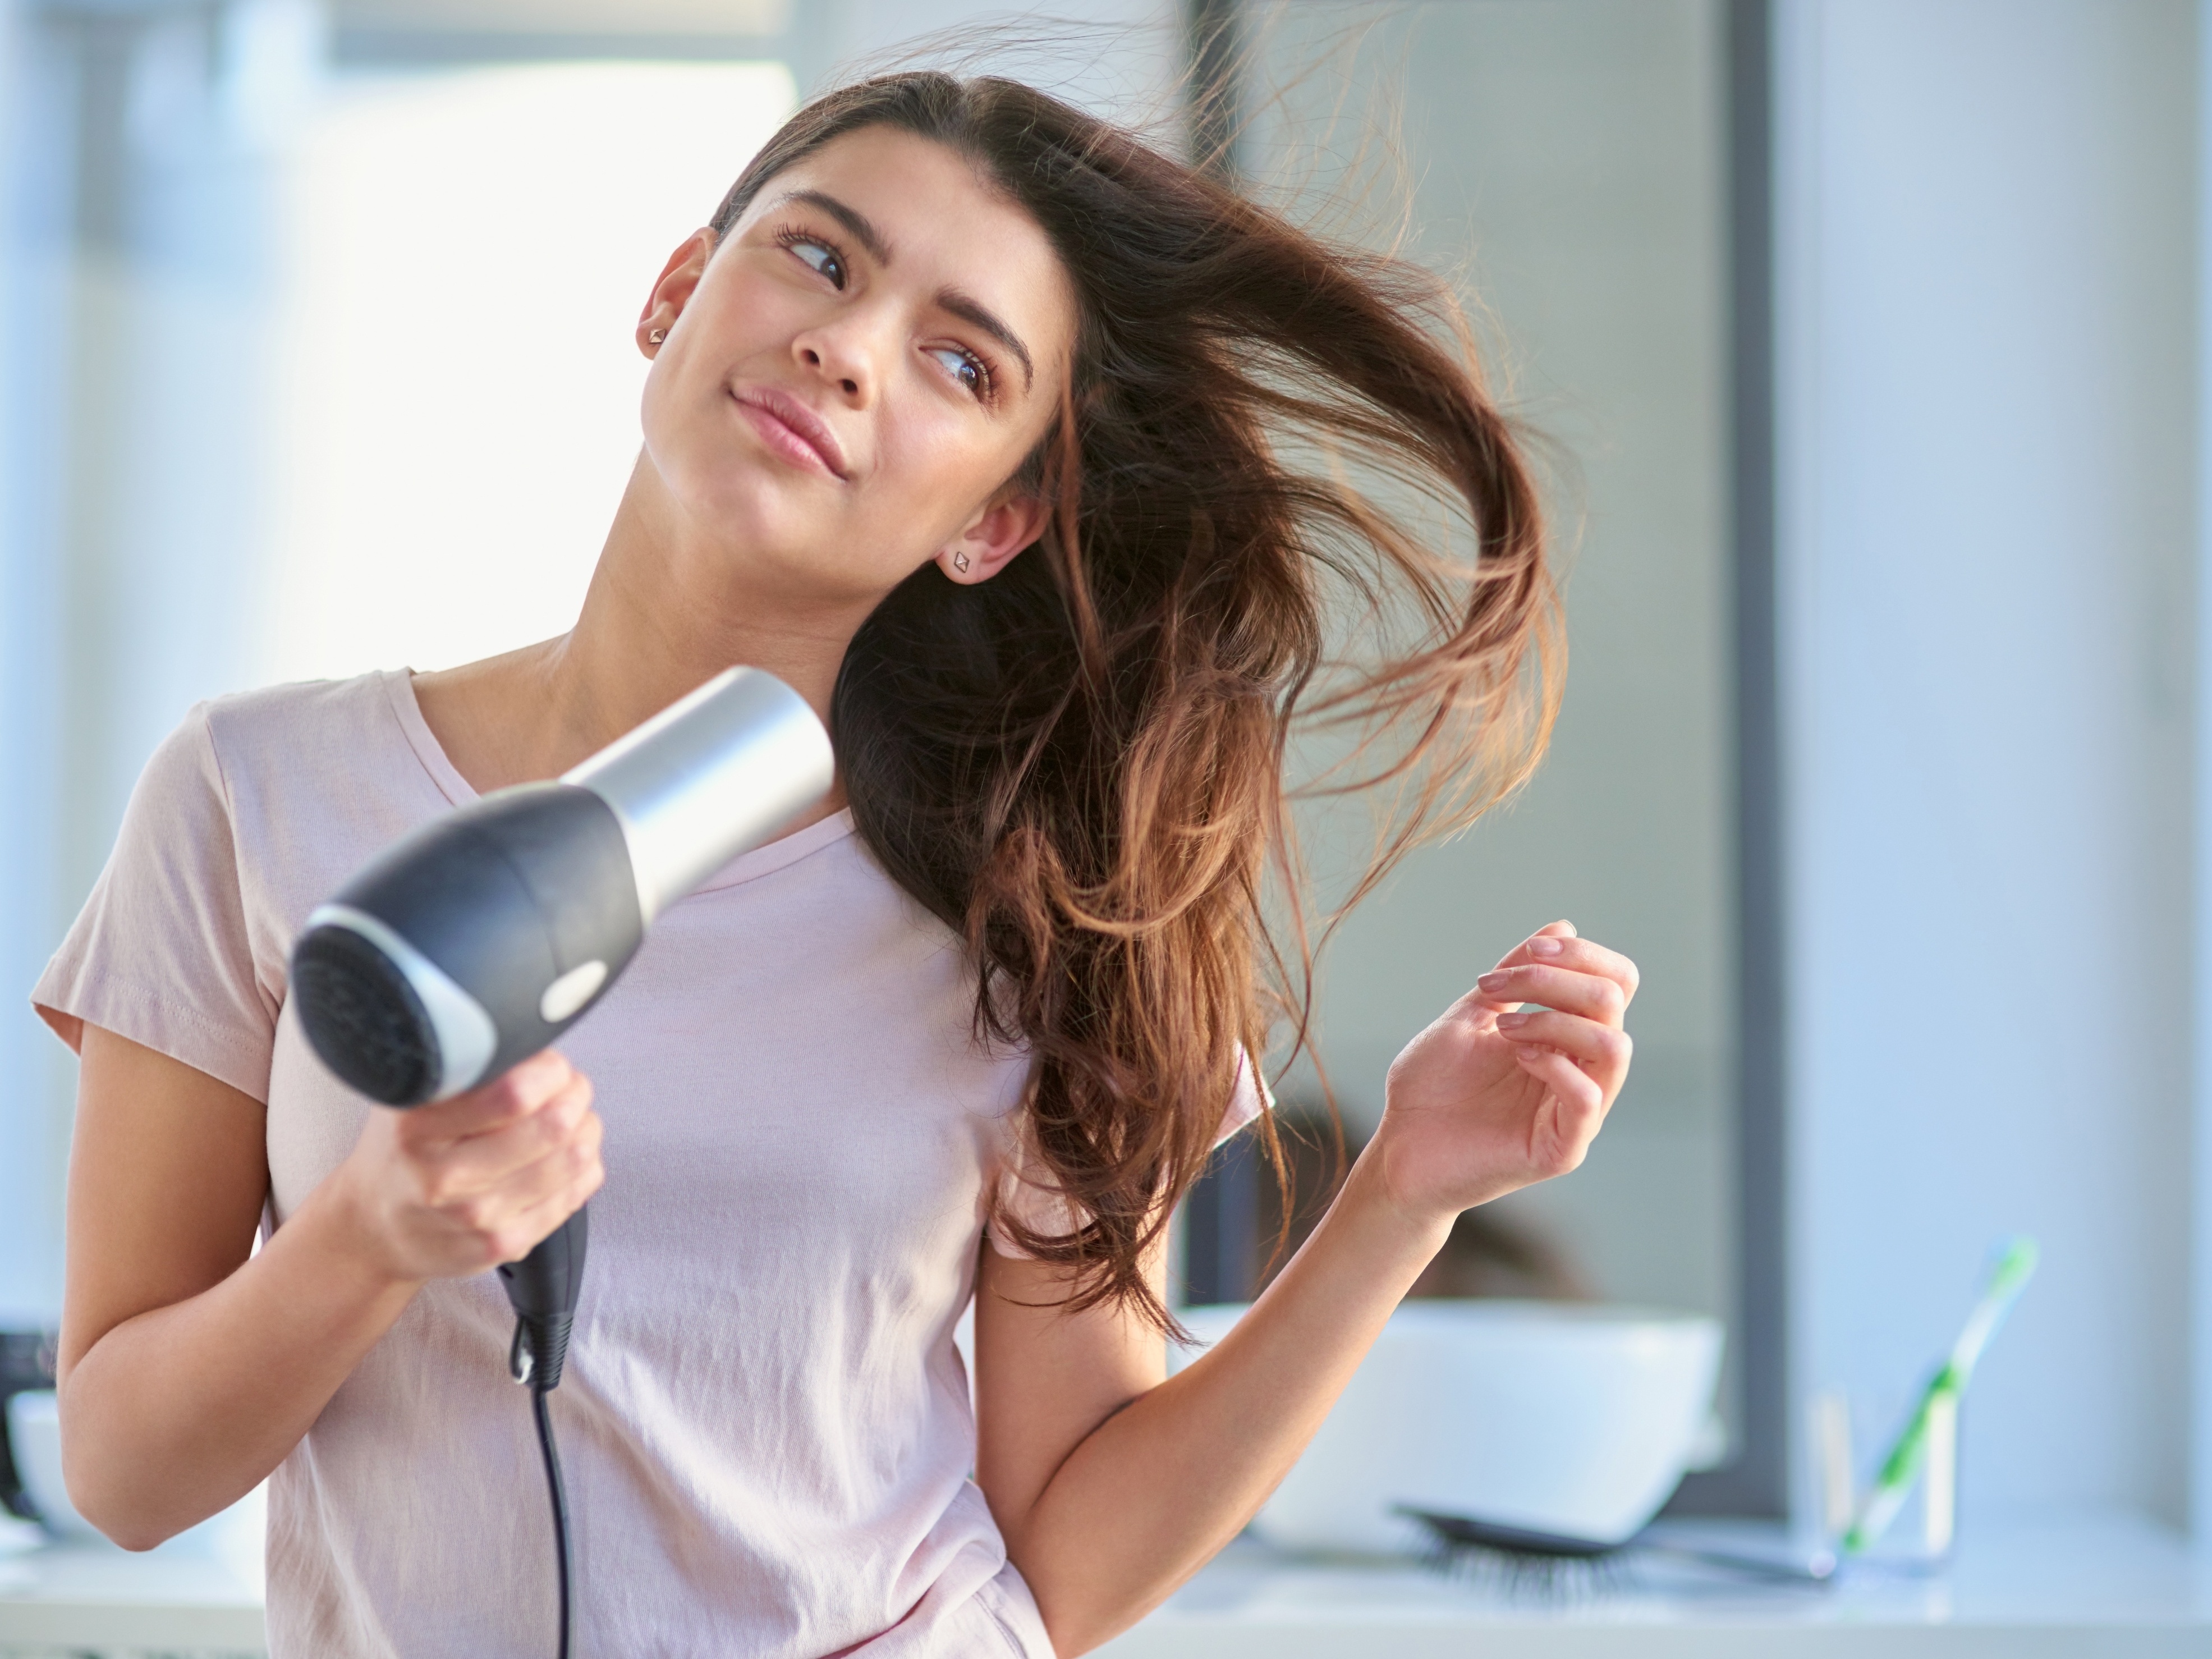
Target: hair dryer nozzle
470	944
362	1018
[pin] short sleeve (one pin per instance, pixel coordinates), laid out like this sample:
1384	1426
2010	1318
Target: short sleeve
1023	1198
161	952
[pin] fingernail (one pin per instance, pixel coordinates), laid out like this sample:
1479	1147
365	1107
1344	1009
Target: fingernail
1497	979
1546	945
1508	1022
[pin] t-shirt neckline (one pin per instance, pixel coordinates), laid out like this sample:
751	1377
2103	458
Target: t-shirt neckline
399	691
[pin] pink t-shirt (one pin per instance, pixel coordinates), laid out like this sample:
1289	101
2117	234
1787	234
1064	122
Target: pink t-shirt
765	1422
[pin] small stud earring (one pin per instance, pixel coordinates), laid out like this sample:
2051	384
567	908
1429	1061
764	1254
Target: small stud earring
960	563
656	336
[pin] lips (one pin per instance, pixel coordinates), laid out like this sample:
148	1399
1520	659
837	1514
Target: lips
793	430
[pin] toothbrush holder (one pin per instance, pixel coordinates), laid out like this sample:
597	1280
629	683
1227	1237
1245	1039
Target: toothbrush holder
1849	1436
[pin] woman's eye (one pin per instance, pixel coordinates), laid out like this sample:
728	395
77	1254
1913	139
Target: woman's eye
963	366
821	259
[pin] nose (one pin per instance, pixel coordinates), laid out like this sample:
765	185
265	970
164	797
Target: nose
841	352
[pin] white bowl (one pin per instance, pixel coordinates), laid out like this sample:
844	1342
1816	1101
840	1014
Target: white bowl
235	1536
1572	1419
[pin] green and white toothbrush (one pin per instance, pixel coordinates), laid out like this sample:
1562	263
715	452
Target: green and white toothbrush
2016	1266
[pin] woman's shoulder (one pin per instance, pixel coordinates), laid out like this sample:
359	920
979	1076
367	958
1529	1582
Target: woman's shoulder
307	779
299	718
347	743
251	812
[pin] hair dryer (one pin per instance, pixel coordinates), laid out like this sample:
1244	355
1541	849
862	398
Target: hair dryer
478	940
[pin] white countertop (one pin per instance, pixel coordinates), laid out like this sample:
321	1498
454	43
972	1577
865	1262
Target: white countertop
94	1598
2113	1585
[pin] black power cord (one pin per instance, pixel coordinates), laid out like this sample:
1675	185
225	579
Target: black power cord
561	1563
535	1359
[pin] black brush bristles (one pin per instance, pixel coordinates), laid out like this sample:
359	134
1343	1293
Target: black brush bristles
1519	1566
1523	1577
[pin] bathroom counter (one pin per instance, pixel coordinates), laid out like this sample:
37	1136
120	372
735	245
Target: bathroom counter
87	1599
2115	1585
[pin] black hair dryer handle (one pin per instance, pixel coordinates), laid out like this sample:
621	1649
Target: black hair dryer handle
543	1286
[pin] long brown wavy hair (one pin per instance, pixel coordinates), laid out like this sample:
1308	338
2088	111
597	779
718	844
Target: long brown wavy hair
1080	764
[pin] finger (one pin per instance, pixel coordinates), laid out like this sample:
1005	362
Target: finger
510	1218
1577	1090
530	1086
565	1178
1591	995
1602	1051
1581	955
483	1162
1543	943
529	1228
492	1109
507	1099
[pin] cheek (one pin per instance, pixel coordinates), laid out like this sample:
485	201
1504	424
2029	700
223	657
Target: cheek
934	473
922	461
686	406
678	413
902	517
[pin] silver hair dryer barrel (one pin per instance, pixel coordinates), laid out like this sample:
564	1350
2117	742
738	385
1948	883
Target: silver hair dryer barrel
719	771
477	940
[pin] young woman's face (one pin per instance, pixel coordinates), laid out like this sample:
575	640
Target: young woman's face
851	379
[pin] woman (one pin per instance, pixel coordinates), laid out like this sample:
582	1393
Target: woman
969	416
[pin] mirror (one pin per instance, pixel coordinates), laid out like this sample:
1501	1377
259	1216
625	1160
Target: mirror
1568	160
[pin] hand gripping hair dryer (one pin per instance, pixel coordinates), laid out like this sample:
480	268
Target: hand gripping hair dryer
477	940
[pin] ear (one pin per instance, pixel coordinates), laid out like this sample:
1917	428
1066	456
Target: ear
1013	519
678	280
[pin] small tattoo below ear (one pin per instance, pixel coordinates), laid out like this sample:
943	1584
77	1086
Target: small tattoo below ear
960	563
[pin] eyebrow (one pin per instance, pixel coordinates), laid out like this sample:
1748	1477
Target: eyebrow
857	224
971	310
965	306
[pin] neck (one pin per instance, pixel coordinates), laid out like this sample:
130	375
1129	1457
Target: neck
667	610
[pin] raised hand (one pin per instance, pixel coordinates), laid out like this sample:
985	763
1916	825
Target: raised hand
1488	1099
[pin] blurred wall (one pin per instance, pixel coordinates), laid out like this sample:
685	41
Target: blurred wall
29	742
1986	216
137	173
2200	1162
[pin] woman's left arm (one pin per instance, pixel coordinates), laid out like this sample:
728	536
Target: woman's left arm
1113	1485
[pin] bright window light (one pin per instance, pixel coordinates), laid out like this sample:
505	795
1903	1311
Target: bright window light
468	253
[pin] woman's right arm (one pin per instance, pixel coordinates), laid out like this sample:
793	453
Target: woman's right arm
188	1366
